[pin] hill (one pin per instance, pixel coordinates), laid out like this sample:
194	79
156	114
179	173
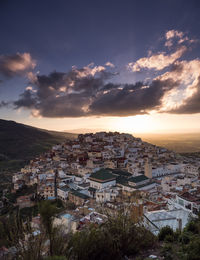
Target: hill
20	143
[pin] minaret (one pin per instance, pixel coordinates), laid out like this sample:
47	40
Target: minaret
148	169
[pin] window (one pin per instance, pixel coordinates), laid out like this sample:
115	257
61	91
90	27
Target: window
188	206
181	202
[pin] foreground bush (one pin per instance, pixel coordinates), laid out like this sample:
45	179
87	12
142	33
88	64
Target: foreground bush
118	237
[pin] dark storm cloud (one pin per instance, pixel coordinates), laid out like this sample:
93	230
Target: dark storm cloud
17	64
64	94
131	99
86	92
3	104
191	105
26	100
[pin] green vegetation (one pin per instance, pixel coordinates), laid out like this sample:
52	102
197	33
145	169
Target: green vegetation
119	237
20	143
183	245
47	211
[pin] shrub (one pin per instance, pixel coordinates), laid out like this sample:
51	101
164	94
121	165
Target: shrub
164	232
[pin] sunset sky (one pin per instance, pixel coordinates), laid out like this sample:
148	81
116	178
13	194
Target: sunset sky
125	65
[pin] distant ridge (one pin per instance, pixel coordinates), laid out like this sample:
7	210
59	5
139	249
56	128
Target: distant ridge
85	130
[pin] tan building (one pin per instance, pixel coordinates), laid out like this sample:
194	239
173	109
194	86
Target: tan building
77	198
148	169
24	202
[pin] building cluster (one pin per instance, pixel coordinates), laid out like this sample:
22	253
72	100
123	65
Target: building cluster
112	170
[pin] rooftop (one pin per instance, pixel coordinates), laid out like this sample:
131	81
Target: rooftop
162	218
79	194
190	197
138	178
64	188
102	175
121	173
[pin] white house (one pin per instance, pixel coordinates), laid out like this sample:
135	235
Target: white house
102	179
62	192
106	195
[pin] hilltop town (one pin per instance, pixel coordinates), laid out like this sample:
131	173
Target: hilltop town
99	175
102	171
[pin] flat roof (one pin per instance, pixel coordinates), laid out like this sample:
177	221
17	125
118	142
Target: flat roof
162	218
79	194
102	175
138	178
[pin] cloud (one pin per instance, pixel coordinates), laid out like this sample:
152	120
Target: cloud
17	64
131	99
191	104
174	33
178	37
89	70
3	104
169	43
157	61
26	100
64	94
93	91
186	73
90	94
109	64
161	60
186	98
184	95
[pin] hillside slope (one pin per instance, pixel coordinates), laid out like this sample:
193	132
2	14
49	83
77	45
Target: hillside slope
19	143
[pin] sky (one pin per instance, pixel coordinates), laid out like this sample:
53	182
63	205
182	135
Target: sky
129	66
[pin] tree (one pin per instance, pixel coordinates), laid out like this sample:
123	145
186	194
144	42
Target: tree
118	237
47	211
56	258
165	231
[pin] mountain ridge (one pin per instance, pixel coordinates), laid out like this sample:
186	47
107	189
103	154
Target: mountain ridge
20	143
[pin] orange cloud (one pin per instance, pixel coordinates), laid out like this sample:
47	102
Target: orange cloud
157	61
11	65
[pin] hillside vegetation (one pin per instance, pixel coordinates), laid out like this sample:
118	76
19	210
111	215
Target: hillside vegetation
20	143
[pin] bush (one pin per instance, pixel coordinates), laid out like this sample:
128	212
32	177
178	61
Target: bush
169	238
185	237
29	212
164	232
193	249
192	227
118	237
167	252
55	258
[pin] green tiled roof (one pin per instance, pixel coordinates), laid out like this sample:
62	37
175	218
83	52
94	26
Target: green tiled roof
143	185
121	173
64	188
138	178
80	195
121	180
102	175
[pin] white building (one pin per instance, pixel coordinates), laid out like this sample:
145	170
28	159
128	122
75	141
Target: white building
102	179
62	193
106	195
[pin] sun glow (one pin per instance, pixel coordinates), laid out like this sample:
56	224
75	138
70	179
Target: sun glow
136	124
